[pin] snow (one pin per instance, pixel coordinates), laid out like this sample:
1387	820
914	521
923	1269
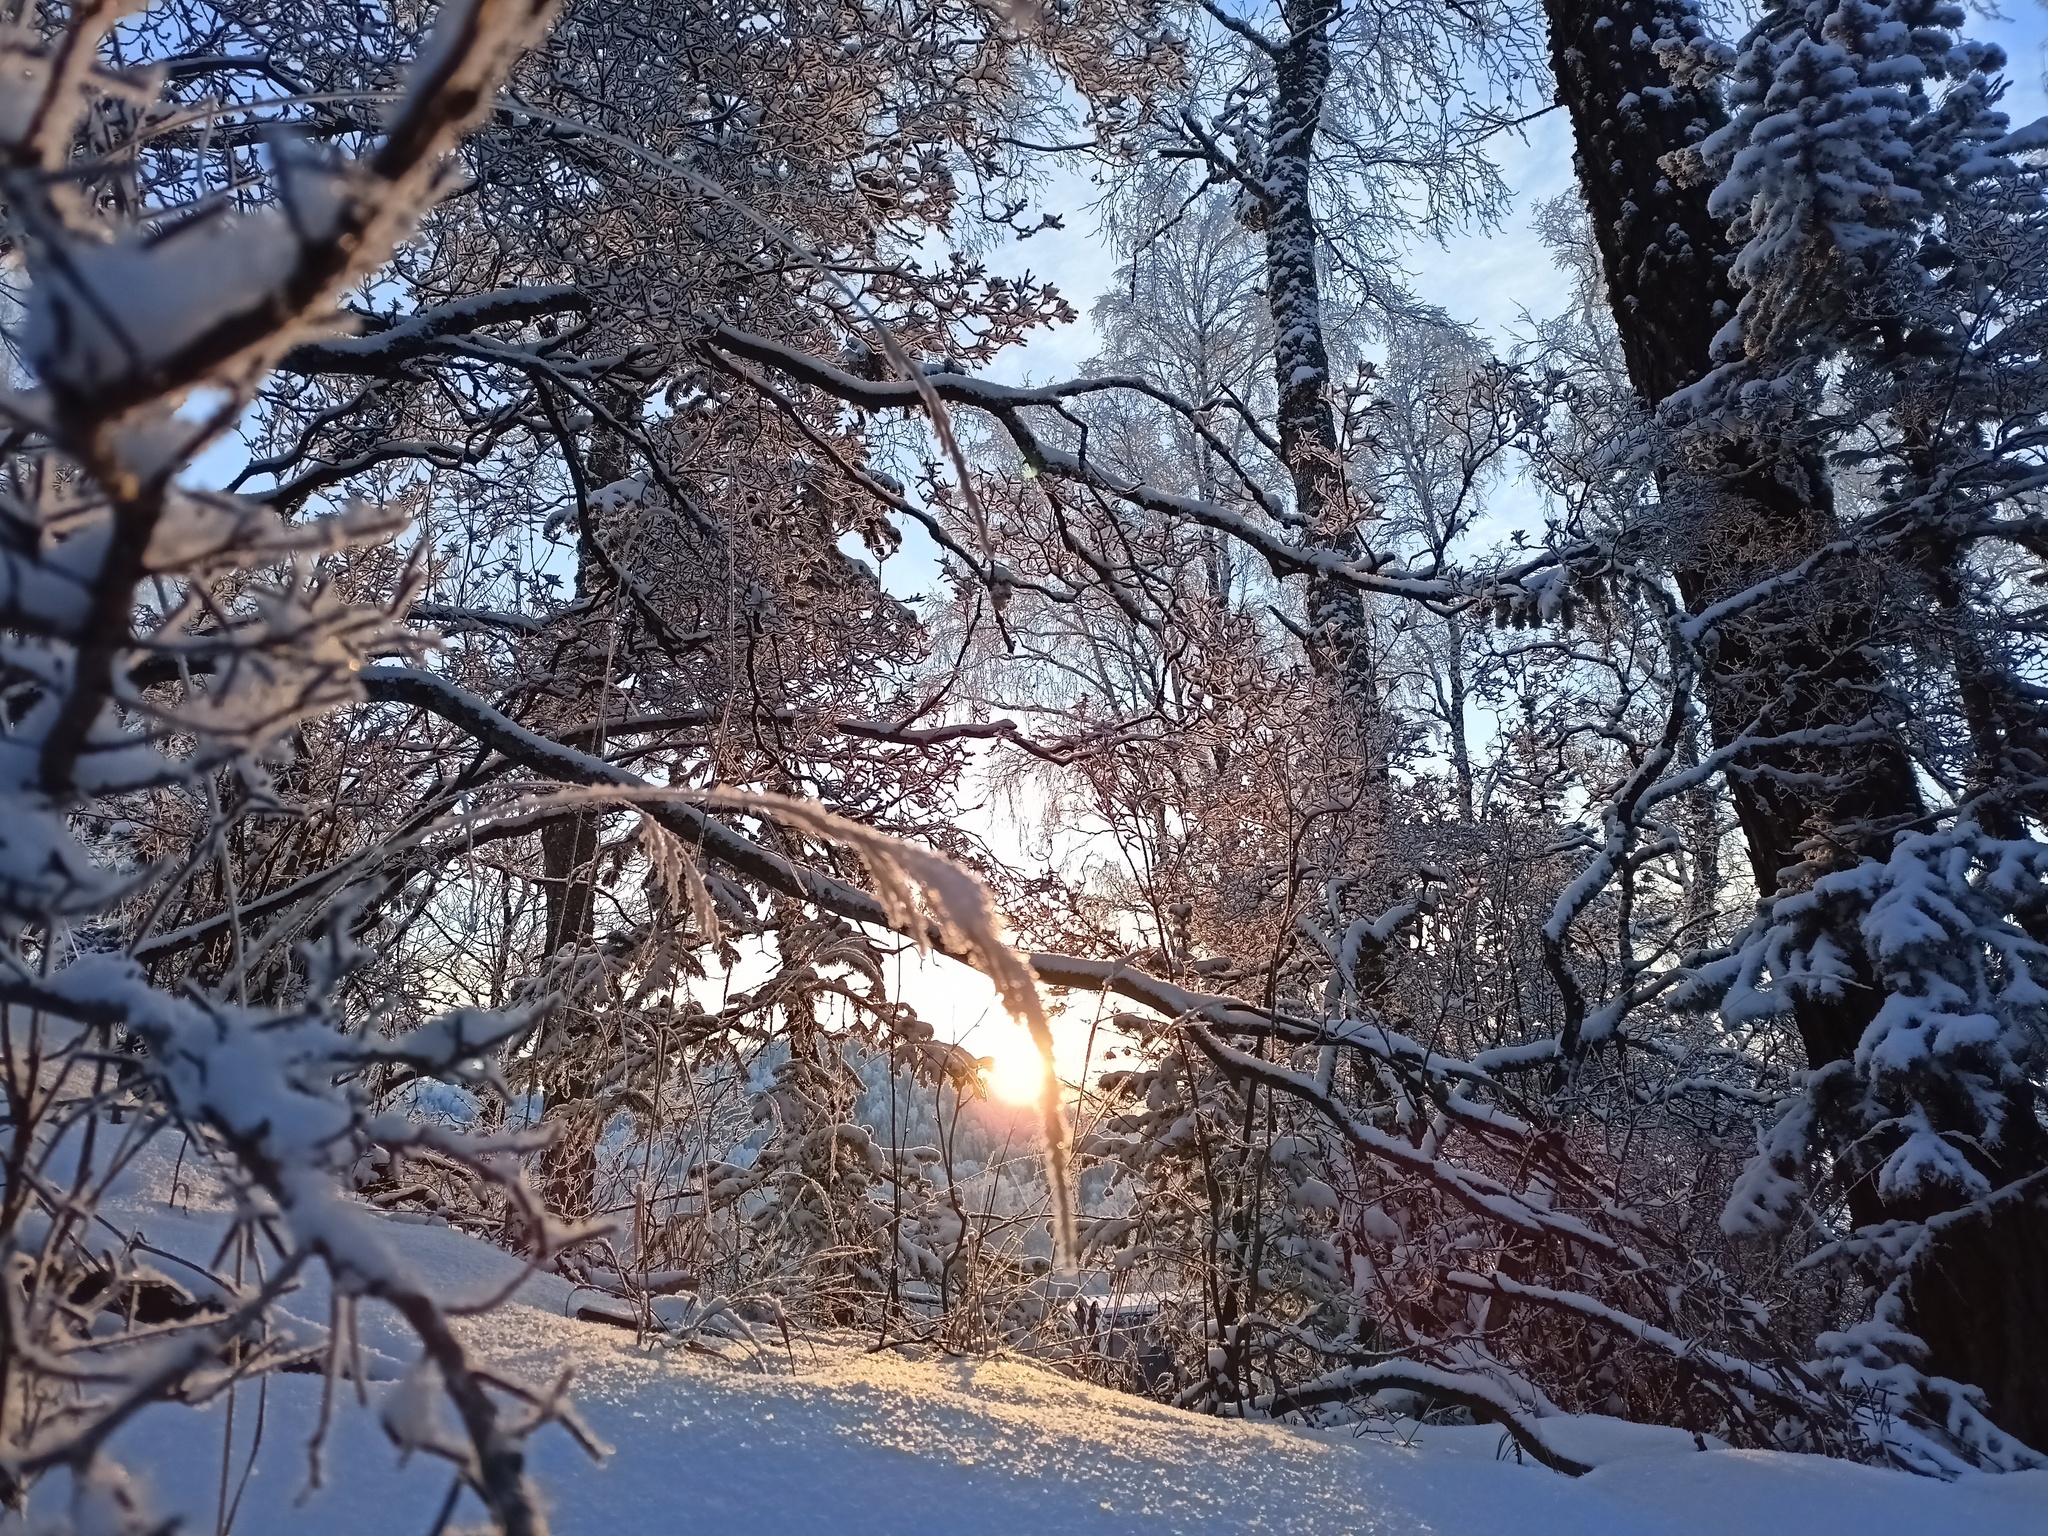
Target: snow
828	1436
111	307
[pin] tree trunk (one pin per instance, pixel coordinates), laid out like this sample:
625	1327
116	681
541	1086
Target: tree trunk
568	851
1456	692
568	1170
1339	614
1979	1306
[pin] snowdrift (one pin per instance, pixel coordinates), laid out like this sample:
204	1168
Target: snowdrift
824	1436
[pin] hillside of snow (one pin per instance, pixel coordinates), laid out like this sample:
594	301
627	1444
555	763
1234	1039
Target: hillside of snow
829	1437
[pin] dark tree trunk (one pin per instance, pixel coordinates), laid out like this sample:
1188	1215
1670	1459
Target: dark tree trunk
567	849
1736	511
1339	614
568	1171
568	852
1979	1306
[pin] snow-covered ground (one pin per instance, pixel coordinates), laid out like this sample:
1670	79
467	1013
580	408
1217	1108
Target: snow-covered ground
834	1439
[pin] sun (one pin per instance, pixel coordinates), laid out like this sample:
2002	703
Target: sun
1014	1073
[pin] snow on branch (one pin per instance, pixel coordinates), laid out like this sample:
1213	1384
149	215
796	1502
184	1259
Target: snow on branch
165	636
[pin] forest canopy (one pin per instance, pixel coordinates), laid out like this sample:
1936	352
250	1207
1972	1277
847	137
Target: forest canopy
539	582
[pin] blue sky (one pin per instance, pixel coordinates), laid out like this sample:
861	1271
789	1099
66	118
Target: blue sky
1485	277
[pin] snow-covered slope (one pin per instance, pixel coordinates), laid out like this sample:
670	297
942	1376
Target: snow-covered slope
833	1439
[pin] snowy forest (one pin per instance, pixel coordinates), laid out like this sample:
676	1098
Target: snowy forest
901	677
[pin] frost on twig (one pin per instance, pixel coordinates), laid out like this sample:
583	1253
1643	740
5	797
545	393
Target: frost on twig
158	637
